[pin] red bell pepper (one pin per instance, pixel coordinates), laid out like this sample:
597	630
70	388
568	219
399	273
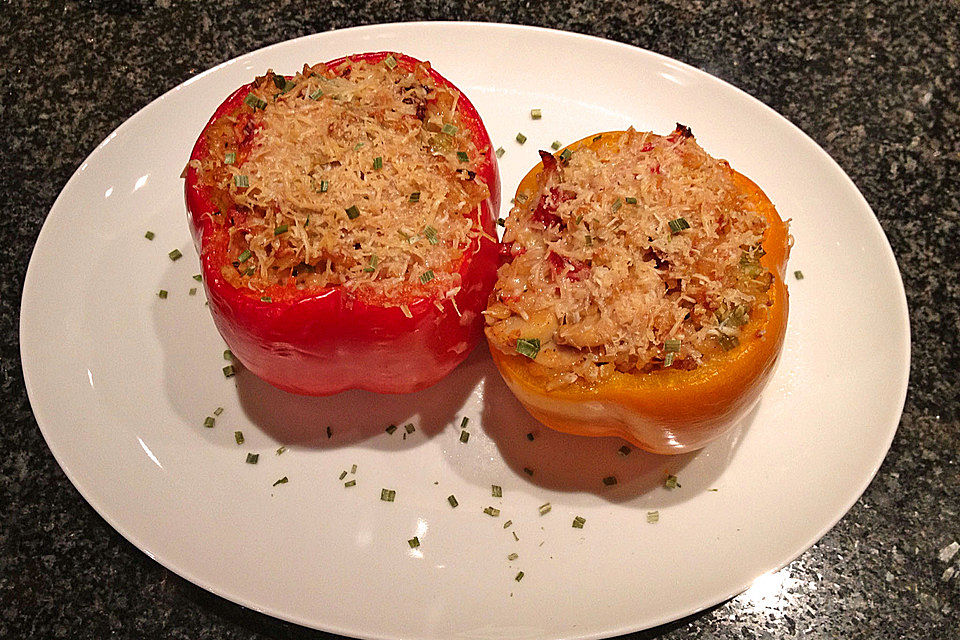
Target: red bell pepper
323	341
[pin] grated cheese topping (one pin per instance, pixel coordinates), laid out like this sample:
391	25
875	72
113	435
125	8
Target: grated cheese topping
360	175
632	254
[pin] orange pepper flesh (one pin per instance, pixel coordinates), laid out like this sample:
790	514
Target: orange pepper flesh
668	411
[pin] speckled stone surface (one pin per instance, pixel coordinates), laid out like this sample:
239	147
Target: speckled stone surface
876	84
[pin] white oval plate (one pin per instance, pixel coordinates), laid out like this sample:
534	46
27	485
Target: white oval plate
121	381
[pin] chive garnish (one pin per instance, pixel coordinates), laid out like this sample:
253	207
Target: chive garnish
350	483
500	151
229	371
728	342
324	185
672	345
555	145
241	180
390	61
198	277
149	235
353	212
426	276
624	450
280	230
254	102
528	471
414	542
192	291
597	137
536	114
671	482
630	200
617	204
653	516
253	458
378	163
493	512
449	129
218	411
358	146
519	576
578	219
316	95
431	235
453	501
373	264
798	275
353	468
496	491
462	156
578	522
409	427
243	257
521	138
415	196
668	359
343	474
282	480
209	421
677	225
565	155
230	158
266	299
388	495
512	557
506	525
610	481
162	294
545	508
464	436
175	255
238	436
528	347
281	450
227	354
588	240
391	429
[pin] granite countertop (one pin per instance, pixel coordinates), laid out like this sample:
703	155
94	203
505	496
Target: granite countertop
877	85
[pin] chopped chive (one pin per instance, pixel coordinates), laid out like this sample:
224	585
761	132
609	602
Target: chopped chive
653	517
280	230
519	576
668	359
373	264
229	371
431	235
391	429
350	483
406	311
565	155
409	427
253	458
501	222
414	542
353	212
378	163
521	138
266	299
496	491
324	185
500	151
241	180
506	525
149	235
728	342
250	271
198	277
677	225
218	411
530	437
671	482
462	156
280	82
617	204
388	495
545	508
209	421
426	276
493	512
528	471
798	275
192	291
515	536
162	294
597	137
358	146
415	196
281	450
578	219
243	257
512	557
282	480
390	61
555	145
672	345
238	436
522	197
343	474
453	501
464	436
449	129
230	158
175	255
227	354
588	240
536	114
610	481
464	422
578	522
624	450
630	200
254	102
316	95
528	347
353	468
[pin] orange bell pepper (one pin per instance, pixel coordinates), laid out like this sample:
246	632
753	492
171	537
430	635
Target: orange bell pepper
668	411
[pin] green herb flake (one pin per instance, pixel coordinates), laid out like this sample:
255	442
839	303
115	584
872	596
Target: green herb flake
175	255
227	354
378	163
254	102
353	468
253	458
218	411
512	557
449	129
409	427
545	508
617	204
370	268
431	235
588	240
506	525
391	429
453	501
390	61
230	158
630	200
528	347
555	145
241	180
653	517
677	225
198	277
281	450
519	576
464	422
493	512
316	95
414	542
528	471
426	276
209	421
229	371
266	299
192	291
668	359
672	345
282	480
343	474
388	495
415	196
798	275
496	491
280	230
610	481
462	156
565	155
238	436
671	482
728	342
243	257
578	522
149	235
358	146
324	186
624	451
353	212
521	138
499	152
162	294
464	436
536	114
349	483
